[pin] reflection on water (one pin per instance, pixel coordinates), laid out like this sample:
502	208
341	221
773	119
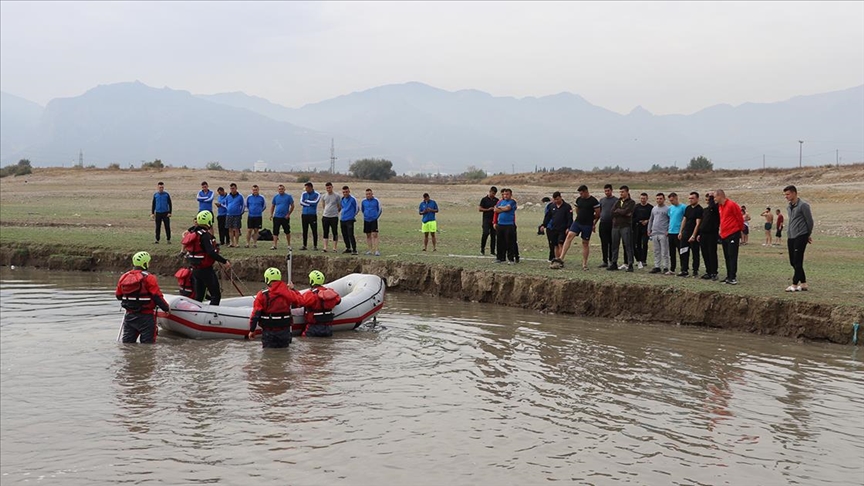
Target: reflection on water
447	393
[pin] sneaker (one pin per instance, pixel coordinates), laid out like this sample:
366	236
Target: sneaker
368	252
714	277
612	268
684	274
731	282
707	276
498	261
347	251
517	260
668	272
655	270
246	246
511	262
272	247
324	250
156	242
623	266
640	265
603	265
555	265
353	252
793	288
695	274
804	287
585	267
303	248
377	253
630	269
482	252
254	245
315	249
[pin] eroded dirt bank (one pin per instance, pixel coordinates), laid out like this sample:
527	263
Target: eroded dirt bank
760	315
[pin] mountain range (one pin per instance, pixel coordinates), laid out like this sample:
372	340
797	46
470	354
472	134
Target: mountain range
421	129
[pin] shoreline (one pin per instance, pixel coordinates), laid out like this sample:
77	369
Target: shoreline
629	302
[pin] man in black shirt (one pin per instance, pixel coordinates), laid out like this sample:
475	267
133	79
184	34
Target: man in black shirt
641	215
689	233
558	218
487	207
587	214
709	232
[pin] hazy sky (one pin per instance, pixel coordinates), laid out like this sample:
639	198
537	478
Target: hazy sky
667	57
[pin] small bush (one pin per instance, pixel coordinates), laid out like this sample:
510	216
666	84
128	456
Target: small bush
21	168
114	166
156	164
214	166
303	178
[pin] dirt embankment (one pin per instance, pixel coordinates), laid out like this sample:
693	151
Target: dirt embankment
760	315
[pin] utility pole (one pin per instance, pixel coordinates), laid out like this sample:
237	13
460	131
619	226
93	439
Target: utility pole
80	158
763	161
837	157
800	152
332	157
513	168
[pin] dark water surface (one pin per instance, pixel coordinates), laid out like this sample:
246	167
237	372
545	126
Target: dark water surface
448	393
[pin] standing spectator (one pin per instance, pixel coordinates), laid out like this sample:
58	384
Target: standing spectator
607	203
222	209
255	204
428	209
731	227
330	216
676	215
622	227
506	227
160	211
487	207
541	230
205	198
347	218
309	214
800	235
779	227
641	215
371	209
709	232
236	206
769	222
745	236
689	233
281	208
587	215
558	218
658	231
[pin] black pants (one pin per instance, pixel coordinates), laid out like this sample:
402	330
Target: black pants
275	339
488	232
163	218
708	242
606	239
622	234
224	237
348	234
205	280
310	221
640	242
730	254
506	243
674	255
141	325
552	237
693	251
796	248
331	225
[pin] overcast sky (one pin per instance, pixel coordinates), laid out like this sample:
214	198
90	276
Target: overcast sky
667	57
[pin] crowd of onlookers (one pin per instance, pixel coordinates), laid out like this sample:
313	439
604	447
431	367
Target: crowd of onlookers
684	232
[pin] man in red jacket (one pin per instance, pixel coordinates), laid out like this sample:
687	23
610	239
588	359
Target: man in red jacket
319	302
272	310
138	293
731	226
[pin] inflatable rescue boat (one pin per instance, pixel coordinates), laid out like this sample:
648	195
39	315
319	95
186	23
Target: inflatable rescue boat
362	299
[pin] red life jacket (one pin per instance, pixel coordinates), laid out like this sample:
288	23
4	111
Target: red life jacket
136	296
195	253
277	307
184	281
319	311
327	298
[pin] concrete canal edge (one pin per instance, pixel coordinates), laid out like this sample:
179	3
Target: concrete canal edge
625	302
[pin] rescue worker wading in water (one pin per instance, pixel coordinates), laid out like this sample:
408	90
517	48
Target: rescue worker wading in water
202	253
138	293
319	303
184	282
272	311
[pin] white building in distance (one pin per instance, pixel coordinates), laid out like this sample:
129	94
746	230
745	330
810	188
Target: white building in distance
260	166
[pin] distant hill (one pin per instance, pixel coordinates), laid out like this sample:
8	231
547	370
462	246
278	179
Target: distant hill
426	129
18	118
423	127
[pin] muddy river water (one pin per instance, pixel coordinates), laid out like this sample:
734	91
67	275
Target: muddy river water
442	392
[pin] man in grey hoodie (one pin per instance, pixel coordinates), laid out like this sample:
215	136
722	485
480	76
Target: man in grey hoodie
800	226
658	229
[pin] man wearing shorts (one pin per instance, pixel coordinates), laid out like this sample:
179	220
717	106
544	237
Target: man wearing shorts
281	208
779	233
347	218
558	218
255	204
428	208
769	222
330	215
236	205
587	215
371	209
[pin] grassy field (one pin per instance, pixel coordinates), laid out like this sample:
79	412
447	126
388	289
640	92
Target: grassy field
111	209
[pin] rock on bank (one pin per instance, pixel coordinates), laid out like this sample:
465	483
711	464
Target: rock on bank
627	302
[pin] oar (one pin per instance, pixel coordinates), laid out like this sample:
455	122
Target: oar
120	331
231	276
288	263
